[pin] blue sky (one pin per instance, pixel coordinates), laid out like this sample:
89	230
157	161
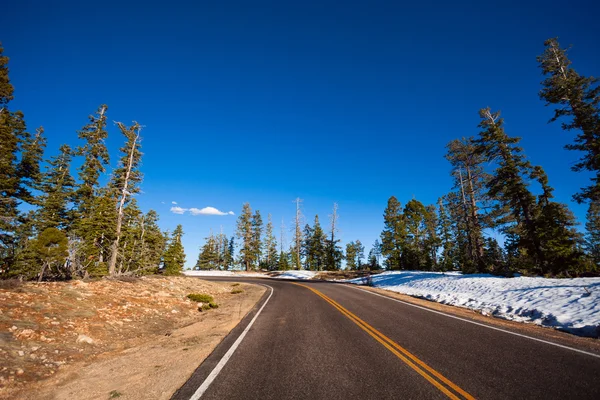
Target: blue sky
263	102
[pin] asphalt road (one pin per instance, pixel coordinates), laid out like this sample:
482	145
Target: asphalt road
320	340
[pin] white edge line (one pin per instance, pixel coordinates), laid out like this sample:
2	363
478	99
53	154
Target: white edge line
477	323
213	374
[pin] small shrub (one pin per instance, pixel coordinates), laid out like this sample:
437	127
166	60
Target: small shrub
114	394
236	291
201	298
208	306
235	284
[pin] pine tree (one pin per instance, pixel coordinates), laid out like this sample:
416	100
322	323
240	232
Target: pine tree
298	238
57	188
152	244
244	232
97	233
360	254
577	98
373	260
351	256
174	257
431	242
270	246
125	182
592	236
469	181
32	154
446	241
256	241
20	155
96	158
393	237
317	246
540	234
229	255
333	252
209	255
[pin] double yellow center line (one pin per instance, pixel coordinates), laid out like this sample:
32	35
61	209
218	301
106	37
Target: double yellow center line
435	378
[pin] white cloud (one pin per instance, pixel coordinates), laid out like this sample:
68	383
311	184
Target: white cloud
173	202
199	211
208	211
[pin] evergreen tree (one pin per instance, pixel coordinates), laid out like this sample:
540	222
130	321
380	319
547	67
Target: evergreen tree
209	255
57	188
393	237
592	236
271	255
229	254
298	238
446	240
96	158
540	234
469	181
373	259
351	256
577	99
360	254
32	154
431	242
125	182
333	252
174	257
245	232
97	233
256	241
153	244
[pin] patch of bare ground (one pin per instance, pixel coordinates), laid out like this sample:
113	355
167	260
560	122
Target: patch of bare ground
566	339
140	339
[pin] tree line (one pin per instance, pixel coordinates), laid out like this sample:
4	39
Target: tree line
493	191
54	225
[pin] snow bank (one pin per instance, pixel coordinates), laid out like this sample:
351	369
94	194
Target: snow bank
571	305
223	273
296	275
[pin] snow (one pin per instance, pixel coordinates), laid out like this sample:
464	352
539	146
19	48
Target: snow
304	275
572	305
223	273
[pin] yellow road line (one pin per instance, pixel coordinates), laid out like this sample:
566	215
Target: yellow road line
408	358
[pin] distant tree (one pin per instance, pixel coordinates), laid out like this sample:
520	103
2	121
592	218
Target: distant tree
245	232
333	252
373	259
230	253
209	254
174	257
270	243
314	246
298	237
393	237
351	256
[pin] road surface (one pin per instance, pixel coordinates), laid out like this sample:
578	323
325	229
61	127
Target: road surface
320	340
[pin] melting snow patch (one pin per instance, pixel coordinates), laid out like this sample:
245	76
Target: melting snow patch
571	305
296	275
